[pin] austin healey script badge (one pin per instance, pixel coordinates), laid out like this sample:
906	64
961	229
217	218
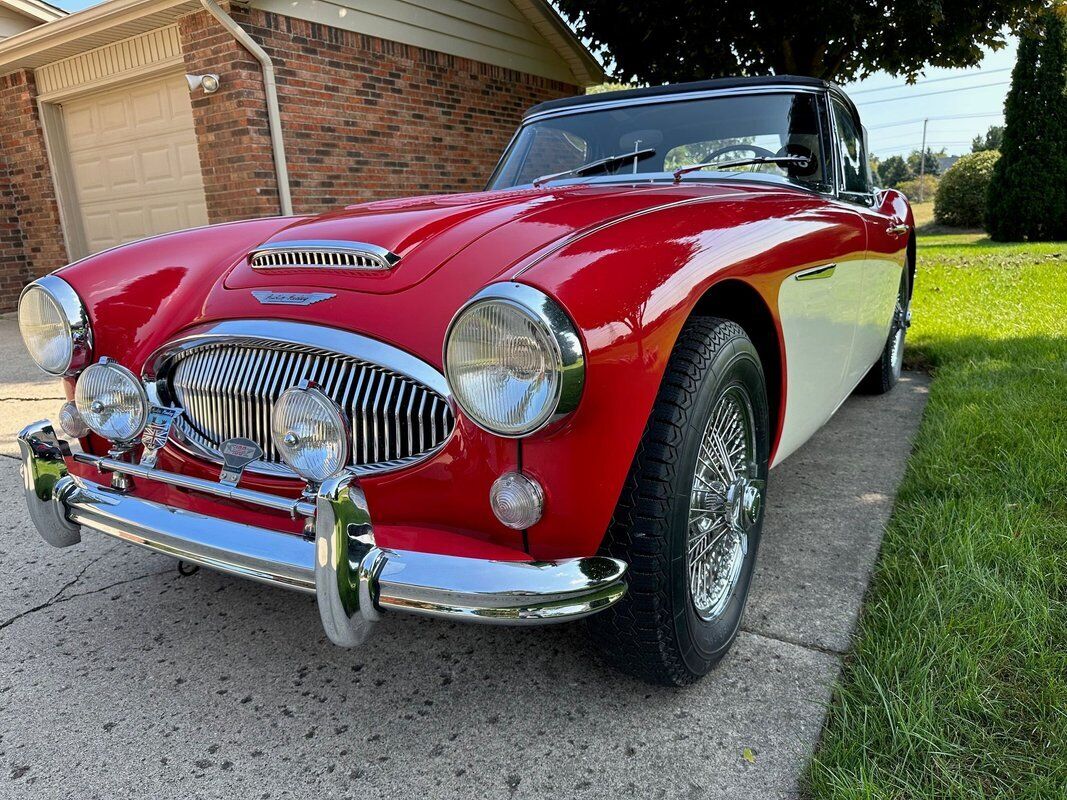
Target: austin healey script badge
236	455
156	432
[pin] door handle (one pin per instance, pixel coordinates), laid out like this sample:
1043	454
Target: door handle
897	230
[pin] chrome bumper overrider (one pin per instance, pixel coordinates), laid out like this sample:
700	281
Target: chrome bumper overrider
353	579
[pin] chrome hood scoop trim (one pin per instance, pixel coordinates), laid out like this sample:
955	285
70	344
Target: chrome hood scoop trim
322	254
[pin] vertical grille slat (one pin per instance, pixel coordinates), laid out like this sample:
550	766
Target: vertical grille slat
229	390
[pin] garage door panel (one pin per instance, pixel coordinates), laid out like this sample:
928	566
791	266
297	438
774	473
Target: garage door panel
135	162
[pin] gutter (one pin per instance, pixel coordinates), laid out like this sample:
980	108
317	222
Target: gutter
270	88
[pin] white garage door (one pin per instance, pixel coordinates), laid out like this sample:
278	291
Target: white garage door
134	161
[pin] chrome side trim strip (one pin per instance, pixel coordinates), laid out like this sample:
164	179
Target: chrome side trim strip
329	254
816	273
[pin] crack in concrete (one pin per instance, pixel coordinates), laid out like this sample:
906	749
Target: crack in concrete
815	648
32	399
8	455
59	597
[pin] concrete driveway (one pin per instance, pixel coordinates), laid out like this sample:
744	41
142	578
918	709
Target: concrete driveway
119	678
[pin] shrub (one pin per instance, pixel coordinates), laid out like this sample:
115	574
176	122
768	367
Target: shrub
961	195
910	188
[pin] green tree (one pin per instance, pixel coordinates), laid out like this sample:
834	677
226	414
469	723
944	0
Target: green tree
933	167
991	141
1028	191
894	170
962	193
681	40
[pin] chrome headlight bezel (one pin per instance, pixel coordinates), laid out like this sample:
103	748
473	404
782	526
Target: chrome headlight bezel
567	356
75	317
344	438
137	389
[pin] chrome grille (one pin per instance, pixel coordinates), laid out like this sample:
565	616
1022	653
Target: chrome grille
229	390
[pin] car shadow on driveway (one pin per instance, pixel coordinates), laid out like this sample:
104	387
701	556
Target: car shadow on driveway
122	679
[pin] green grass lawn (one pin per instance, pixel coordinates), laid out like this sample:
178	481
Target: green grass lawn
957	686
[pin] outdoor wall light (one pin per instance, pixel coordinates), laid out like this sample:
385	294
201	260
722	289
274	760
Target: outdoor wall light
209	83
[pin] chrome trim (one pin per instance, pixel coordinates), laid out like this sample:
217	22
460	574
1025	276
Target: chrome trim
280	335
354	579
103	464
329	254
897	230
142	393
570	358
77	319
816	273
607	105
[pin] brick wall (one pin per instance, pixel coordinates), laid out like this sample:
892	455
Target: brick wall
231	124
27	195
364	118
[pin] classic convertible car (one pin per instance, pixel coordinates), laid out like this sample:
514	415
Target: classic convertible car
554	399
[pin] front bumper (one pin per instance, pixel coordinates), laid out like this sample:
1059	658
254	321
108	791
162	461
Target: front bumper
352	578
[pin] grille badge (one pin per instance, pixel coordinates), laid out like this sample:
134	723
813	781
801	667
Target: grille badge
156	432
291	298
237	454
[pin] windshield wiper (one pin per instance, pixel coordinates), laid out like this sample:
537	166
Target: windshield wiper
592	166
801	161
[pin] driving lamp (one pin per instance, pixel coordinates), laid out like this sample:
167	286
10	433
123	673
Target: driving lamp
513	360
54	326
310	432
112	401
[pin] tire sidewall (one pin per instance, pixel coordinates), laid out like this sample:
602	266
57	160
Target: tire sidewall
703	642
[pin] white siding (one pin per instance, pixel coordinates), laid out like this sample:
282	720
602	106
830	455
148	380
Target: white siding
490	31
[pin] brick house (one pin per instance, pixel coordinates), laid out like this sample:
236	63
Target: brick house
318	104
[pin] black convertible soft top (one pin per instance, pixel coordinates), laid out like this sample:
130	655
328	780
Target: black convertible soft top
694	86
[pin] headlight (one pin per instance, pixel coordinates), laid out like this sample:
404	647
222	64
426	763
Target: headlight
112	401
54	326
310	432
514	360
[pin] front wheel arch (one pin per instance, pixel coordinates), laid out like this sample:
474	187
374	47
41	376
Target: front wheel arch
739	302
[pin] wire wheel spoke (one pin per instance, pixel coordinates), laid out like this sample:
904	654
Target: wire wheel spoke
717	544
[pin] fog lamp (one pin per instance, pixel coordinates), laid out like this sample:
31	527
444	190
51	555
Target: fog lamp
310	432
111	401
71	421
517	501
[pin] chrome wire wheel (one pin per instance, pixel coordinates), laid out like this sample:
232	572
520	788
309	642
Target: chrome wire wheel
725	502
901	323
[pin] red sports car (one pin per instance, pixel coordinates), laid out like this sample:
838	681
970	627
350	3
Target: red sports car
557	398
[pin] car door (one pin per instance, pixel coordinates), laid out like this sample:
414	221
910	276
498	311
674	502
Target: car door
877	281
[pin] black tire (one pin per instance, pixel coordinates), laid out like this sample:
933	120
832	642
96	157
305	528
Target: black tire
885	374
655	632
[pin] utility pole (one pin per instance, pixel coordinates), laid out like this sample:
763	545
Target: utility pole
922	165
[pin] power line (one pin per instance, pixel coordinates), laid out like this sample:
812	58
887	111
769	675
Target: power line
932	119
932	80
931	94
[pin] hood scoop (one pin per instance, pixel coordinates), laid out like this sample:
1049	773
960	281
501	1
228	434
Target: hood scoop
322	254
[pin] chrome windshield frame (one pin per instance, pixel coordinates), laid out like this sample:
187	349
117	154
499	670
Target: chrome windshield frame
705	94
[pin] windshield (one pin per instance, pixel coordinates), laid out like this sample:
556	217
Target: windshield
681	133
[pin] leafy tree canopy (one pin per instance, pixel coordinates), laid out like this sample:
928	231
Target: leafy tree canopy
680	40
893	171
933	166
991	141
1028	192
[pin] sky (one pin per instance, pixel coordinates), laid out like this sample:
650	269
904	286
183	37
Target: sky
893	112
886	103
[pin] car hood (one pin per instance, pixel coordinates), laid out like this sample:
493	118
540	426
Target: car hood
471	238
142	295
